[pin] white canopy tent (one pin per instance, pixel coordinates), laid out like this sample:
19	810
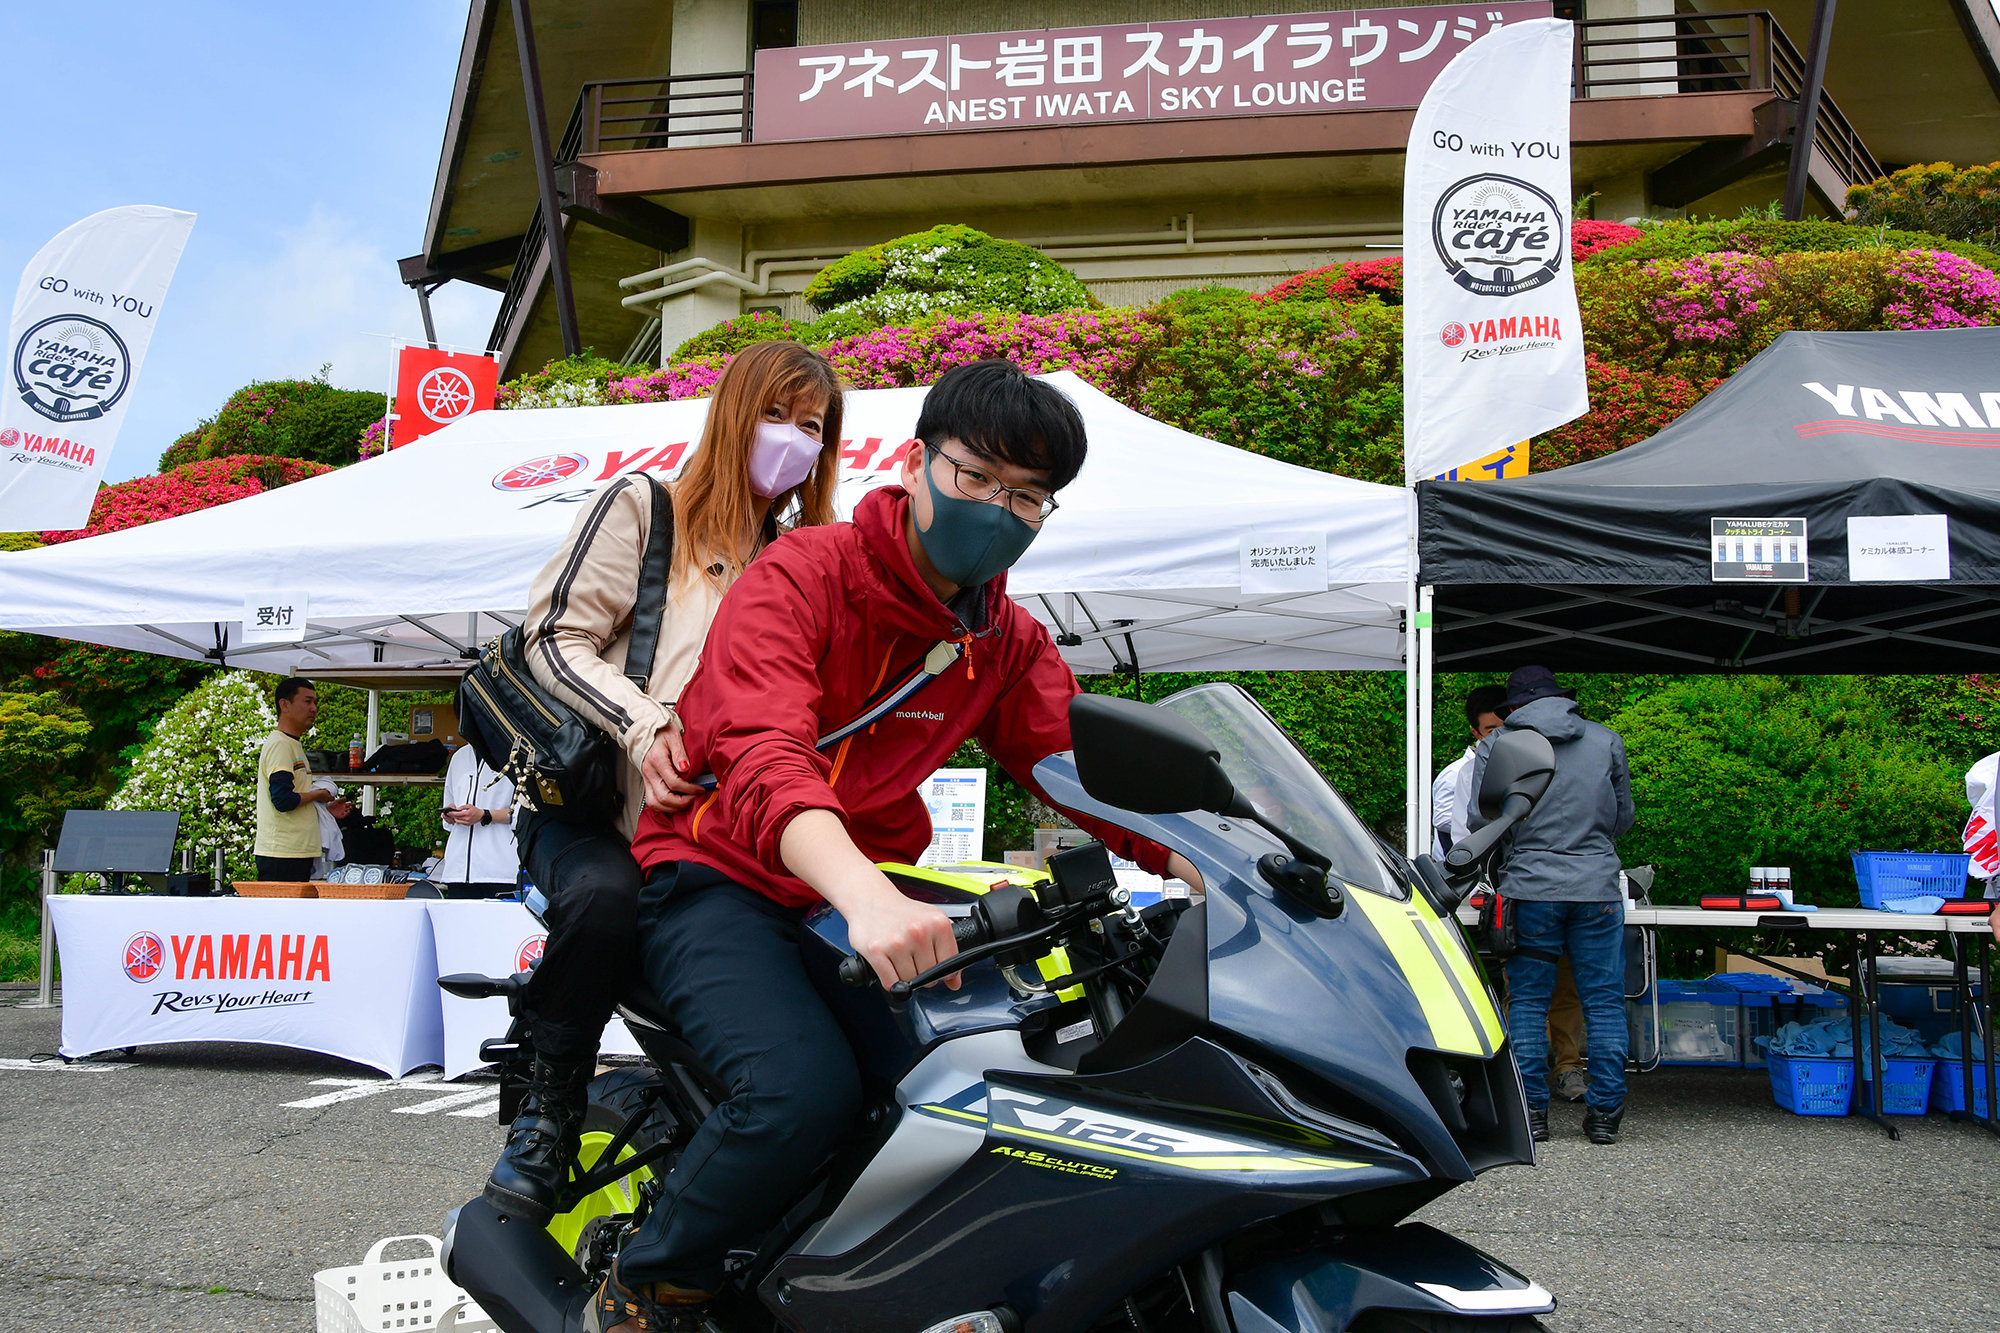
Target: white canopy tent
412	559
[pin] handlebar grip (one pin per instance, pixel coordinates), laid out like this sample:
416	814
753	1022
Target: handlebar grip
859	973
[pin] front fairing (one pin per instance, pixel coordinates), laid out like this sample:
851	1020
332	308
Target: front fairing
1382	1008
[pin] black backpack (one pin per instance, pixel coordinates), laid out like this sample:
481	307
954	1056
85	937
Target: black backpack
561	764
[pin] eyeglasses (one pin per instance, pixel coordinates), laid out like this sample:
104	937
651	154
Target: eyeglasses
975	483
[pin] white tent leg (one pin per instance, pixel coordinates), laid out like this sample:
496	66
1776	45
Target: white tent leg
373	743
1412	828
1426	673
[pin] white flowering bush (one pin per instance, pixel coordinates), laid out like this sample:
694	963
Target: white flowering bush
202	761
559	395
944	269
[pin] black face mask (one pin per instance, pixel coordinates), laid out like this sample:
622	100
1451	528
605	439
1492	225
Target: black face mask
969	541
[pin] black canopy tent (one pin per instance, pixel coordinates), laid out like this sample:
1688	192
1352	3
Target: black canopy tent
1606	565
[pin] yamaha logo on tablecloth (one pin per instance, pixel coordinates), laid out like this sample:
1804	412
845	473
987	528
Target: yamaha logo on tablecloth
1498	235
145	955
71	368
530	952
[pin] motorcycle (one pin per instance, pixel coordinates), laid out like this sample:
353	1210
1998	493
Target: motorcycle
1209	1114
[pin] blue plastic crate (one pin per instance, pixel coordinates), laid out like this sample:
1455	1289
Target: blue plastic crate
1813	1084
1700	1024
1948	1086
1885	875
1906	1086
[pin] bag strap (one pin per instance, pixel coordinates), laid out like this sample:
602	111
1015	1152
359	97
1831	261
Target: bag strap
650	608
942	654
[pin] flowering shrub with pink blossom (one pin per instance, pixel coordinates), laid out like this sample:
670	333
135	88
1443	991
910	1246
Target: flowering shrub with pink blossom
375	440
1939	290
1105	347
191	486
1713	295
681	379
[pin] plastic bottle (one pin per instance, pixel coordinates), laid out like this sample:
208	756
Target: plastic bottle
354	753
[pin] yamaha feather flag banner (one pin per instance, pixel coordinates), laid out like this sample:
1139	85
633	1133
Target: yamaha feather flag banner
1492	347
83	317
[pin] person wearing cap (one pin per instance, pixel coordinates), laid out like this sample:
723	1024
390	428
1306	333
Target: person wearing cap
1561	870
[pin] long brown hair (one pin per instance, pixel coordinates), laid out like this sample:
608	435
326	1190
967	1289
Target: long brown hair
712	500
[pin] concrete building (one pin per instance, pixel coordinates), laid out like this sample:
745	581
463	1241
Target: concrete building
705	164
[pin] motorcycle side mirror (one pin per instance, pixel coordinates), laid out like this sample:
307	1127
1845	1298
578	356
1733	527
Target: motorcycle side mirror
1519	763
1519	768
1145	759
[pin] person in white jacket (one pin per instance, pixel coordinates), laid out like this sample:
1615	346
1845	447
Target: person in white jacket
479	857
1451	793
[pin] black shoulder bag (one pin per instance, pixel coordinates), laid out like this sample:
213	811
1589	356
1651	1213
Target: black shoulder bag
561	764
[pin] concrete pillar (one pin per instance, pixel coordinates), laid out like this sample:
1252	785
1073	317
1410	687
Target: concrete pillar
681	317
1653	61
710	37
1619	197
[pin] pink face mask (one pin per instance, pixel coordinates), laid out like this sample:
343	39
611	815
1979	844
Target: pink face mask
782	457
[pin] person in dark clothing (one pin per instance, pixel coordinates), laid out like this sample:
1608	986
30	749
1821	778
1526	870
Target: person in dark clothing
1560	868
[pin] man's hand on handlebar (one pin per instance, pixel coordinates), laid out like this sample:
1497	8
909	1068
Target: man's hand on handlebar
899	936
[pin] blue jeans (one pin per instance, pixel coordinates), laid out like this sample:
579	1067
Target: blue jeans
1593	935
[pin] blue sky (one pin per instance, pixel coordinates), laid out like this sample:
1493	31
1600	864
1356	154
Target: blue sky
305	137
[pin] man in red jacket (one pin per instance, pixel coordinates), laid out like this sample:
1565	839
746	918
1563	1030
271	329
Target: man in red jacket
812	632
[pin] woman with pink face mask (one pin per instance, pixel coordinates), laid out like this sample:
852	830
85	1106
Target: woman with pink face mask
768	461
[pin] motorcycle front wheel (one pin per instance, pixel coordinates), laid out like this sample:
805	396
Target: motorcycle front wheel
614	1099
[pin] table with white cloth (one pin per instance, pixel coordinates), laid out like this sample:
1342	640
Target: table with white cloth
493	938
355	979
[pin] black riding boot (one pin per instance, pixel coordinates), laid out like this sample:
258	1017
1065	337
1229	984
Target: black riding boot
542	1141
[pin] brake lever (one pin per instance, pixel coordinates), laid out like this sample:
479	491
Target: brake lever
860	979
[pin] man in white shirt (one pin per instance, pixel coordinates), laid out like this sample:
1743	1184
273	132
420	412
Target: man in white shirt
1451	793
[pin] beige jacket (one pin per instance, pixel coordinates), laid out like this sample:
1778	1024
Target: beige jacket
579	626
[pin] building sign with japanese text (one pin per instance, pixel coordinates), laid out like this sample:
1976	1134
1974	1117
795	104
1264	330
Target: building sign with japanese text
1341	60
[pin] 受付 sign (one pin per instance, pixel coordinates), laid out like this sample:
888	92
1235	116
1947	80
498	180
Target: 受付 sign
275	617
1334	61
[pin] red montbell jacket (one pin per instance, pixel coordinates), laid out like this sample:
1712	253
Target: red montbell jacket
813	630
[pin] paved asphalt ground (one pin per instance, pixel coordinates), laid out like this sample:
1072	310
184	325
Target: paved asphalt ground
179	1192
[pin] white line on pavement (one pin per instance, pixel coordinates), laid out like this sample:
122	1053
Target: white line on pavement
75	1066
489	1107
352	1089
449	1099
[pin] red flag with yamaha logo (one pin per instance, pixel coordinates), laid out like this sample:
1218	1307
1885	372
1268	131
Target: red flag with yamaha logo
435	388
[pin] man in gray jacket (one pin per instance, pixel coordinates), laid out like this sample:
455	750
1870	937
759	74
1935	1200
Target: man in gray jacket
1560	869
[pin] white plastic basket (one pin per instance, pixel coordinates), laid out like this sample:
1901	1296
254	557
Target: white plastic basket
395	1295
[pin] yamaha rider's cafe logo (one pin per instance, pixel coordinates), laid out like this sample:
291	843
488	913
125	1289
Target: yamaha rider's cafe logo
71	368
1498	235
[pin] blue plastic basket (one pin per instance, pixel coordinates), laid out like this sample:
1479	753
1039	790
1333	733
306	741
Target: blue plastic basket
1813	1084
1906	1086
1885	875
1948	1086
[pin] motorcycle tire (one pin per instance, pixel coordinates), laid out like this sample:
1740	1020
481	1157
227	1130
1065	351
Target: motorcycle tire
1408	1321
614	1098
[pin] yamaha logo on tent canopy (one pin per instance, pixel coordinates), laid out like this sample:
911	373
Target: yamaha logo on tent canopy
71	368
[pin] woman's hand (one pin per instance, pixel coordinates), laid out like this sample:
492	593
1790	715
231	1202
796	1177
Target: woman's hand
461	814
667	789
